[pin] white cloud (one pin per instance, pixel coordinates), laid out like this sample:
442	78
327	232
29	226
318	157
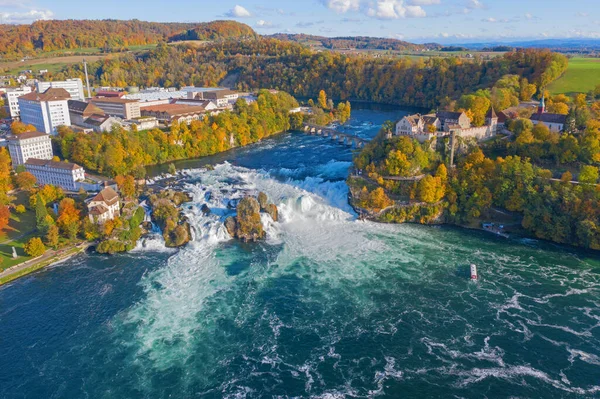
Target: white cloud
342	6
263	23
473	4
424	2
528	16
26	16
395	9
238	12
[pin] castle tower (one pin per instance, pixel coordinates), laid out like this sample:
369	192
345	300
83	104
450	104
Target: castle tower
491	120
542	106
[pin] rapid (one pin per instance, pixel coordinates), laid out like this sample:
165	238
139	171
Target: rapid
328	307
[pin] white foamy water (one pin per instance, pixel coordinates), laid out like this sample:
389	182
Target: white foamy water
353	281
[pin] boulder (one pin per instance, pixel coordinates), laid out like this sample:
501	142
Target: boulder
273	212
231	226
263	201
249	225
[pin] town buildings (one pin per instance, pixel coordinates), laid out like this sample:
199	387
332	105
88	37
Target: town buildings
120	107
29	145
104	206
46	111
12	100
62	174
73	86
170	113
554	122
441	124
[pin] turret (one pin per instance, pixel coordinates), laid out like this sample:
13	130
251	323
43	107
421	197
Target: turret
491	119
542	106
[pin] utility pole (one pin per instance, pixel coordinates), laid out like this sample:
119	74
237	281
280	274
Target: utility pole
87	79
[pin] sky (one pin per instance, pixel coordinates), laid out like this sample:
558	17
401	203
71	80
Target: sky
441	21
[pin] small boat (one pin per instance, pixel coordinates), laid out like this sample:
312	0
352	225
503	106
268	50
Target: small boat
474	275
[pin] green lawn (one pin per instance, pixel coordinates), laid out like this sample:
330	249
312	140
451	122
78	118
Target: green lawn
582	76
20	228
51	67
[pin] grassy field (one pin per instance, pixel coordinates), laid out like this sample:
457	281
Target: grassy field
20	229
582	76
56	60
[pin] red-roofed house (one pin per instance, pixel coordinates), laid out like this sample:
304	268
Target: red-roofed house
104	206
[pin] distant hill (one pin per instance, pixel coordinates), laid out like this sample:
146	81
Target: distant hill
47	36
354	42
216	30
552	44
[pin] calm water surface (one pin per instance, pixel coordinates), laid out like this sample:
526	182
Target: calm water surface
328	307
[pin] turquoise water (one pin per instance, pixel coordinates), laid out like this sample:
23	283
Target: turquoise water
328	307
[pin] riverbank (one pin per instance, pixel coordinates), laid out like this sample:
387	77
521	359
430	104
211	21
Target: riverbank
49	258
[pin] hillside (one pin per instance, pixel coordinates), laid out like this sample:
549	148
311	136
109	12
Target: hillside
355	42
43	37
216	30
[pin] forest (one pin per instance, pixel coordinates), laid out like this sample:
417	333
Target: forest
121	152
355	42
296	69
549	179
109	35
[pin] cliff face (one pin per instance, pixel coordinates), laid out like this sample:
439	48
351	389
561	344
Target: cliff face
396	211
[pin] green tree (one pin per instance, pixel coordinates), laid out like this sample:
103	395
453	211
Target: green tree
588	174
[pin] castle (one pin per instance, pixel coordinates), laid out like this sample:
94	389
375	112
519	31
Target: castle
442	124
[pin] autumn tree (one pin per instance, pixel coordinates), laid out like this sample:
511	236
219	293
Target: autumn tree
34	247
4	216
18	127
430	189
25	181
322	100
68	218
52	236
126	185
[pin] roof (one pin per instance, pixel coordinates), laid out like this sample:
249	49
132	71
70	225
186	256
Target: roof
52	164
221	93
96	120
188	101
52	94
549	118
491	113
449	115
107	195
413	119
116	100
81	107
175	109
27	135
98	210
430	119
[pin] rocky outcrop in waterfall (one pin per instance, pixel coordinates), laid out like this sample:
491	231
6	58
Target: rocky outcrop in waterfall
247	224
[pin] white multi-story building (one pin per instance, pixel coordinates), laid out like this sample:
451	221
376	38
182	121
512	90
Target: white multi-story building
62	174
29	145
12	96
46	111
73	86
104	206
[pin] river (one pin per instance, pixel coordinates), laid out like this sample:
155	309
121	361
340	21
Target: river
328	307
